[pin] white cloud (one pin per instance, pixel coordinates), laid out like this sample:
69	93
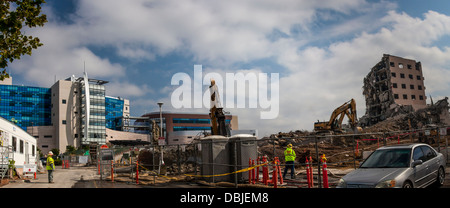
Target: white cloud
323	78
219	34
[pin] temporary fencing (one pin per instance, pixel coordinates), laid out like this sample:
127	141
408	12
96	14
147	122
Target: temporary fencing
342	151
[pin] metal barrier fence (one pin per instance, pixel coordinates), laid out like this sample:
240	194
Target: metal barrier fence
342	151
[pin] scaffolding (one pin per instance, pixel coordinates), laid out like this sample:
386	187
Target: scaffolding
6	155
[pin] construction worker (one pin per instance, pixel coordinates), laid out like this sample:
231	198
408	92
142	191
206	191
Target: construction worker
50	166
289	157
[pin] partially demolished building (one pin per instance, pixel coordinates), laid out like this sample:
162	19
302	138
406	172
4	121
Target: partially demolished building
394	86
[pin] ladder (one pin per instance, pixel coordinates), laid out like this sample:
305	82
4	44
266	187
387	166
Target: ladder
5	156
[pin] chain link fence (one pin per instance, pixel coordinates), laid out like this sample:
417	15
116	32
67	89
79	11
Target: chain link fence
216	160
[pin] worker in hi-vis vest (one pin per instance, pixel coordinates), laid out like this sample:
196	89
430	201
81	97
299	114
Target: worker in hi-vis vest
289	157
50	166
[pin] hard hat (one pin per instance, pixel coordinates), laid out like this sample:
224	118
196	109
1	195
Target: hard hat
50	153
289	145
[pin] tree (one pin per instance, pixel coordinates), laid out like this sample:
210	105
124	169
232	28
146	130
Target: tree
13	42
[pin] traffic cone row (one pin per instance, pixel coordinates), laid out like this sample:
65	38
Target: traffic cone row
253	174
309	172
65	164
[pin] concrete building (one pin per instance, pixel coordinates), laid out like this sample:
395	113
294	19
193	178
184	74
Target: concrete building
394	84
74	112
181	128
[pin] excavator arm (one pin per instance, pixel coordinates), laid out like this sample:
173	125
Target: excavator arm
335	123
218	126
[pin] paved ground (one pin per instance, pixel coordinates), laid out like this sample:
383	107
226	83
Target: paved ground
63	178
86	177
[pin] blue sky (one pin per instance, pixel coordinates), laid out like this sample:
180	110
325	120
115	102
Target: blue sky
321	49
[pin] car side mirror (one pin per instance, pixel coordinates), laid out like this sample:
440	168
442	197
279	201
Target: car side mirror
416	163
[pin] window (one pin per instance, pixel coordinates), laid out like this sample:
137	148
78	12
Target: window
418	77
392	64
393	74
32	150
48	136
14	144
405	96
409	66
395	96
418	154
402	75
413	97
411	76
403	86
21	146
419	87
64	122
420	97
64	101
394	85
411	87
428	153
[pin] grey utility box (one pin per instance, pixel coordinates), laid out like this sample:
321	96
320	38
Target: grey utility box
216	158
243	147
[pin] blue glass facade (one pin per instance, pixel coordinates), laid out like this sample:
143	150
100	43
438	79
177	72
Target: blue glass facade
26	106
114	111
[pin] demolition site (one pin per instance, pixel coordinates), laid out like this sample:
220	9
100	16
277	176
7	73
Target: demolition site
216	156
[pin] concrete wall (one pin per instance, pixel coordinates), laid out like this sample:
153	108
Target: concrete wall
123	135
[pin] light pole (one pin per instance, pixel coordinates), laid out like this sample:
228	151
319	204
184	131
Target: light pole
161	161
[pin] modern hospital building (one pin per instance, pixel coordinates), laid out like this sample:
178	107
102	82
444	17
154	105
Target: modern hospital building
76	111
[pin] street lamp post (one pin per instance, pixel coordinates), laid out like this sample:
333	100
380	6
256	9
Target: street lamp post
161	161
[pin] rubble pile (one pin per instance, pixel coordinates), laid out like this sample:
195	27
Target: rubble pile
399	118
186	156
436	114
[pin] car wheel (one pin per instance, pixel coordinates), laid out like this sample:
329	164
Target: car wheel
441	177
407	184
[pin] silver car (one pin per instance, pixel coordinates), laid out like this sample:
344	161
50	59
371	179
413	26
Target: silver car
400	166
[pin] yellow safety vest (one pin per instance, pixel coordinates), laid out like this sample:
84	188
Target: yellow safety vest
289	154
50	163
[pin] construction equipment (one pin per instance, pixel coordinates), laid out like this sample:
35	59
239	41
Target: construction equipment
218	126
335	122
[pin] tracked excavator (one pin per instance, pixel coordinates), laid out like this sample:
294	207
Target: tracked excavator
216	113
335	122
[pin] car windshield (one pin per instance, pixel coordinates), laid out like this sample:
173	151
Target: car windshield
388	158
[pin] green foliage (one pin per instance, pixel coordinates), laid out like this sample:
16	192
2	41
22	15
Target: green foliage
13	43
55	151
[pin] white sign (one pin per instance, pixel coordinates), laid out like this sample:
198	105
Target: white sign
83	159
161	141
427	132
29	168
443	131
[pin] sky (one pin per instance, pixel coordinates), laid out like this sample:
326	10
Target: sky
320	50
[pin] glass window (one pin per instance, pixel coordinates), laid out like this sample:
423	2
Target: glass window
418	154
21	146
388	158
428	153
14	144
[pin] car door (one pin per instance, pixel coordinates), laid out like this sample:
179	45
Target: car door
432	163
420	171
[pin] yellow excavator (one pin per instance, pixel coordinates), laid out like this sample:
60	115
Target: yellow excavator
335	122
218	126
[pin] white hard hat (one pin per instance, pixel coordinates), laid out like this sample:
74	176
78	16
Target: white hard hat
50	153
